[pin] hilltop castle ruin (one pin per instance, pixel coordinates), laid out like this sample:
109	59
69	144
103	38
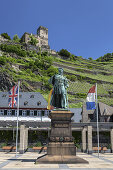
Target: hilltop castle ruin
41	36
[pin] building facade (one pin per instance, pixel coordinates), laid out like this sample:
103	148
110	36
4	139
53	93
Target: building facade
105	113
31	105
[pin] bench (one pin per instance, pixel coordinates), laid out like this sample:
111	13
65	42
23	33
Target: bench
96	149
14	148
37	148
104	149
45	149
7	148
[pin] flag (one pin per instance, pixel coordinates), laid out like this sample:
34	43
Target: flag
13	97
90	100
49	107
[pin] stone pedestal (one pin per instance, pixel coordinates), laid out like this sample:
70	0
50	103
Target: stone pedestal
61	148
61	140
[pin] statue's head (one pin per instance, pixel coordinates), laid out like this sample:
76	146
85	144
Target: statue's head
60	71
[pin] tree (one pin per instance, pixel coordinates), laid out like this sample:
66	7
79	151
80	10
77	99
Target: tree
65	53
90	58
106	58
5	35
16	38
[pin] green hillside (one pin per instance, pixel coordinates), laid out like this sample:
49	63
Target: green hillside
34	69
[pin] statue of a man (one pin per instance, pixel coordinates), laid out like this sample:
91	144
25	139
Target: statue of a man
59	95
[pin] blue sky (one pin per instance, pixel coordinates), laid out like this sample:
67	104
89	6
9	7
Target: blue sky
83	27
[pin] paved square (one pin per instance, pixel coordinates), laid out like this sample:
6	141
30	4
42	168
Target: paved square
27	161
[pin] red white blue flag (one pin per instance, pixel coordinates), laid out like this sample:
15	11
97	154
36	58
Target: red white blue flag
90	100
13	97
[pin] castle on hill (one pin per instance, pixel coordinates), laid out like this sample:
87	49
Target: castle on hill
41	37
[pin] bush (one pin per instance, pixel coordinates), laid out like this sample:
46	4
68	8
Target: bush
106	58
38	143
16	38
48	60
13	49
81	95
73	57
90	58
2	60
81	77
44	62
89	67
52	71
71	77
5	35
64	53
33	40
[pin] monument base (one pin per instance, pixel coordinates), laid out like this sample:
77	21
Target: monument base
59	159
61	148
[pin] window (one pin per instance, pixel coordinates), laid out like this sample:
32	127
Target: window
5	112
31	112
46	113
9	112
13	112
1	112
42	113
38	103
28	112
20	112
25	103
23	112
35	113
4	95
39	113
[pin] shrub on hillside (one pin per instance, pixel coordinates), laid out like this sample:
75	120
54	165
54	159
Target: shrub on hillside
2	60
71	77
48	60
73	57
16	38
5	35
33	40
64	53
13	49
106	58
44	62
90	58
81	95
81	77
51	71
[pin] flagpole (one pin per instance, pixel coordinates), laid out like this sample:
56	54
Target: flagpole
17	119
97	120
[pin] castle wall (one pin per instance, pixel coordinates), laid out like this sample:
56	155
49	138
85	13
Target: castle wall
2	39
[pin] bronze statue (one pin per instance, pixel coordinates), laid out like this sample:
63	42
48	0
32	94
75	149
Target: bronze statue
59	95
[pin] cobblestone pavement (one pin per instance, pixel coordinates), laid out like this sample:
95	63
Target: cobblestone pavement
26	161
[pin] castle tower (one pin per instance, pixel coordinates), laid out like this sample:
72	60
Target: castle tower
42	33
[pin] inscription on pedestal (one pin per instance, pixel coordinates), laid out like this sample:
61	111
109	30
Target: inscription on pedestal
60	125
61	139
